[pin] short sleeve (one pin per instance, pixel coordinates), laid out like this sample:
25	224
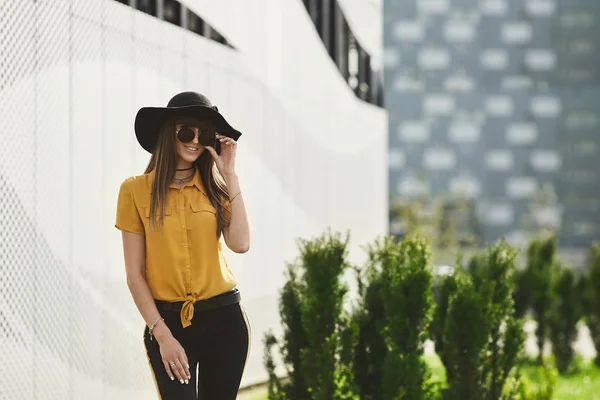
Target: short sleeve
128	217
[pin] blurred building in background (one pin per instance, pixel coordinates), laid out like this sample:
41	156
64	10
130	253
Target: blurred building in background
299	79
497	101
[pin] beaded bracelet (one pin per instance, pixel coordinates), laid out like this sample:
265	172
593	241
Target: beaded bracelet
151	327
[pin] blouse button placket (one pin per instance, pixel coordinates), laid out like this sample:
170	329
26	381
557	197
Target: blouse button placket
184	235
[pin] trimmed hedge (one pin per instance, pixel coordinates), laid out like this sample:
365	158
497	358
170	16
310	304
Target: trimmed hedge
376	352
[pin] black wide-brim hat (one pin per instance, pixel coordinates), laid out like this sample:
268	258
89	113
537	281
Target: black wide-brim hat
149	120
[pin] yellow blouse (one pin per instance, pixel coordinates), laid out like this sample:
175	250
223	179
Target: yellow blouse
184	260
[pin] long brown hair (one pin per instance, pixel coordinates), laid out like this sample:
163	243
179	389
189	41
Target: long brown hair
164	160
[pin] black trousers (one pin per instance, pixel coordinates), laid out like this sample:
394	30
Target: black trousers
216	345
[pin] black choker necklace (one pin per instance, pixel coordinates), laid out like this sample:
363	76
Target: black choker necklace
186	169
183	180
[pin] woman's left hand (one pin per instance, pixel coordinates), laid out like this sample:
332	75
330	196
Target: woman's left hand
226	160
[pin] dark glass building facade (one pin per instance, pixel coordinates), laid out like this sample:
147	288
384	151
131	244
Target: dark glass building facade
498	101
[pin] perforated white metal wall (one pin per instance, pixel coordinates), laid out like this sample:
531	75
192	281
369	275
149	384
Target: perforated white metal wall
66	327
72	75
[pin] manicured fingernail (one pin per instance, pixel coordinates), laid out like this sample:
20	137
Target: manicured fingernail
186	381
181	381
172	378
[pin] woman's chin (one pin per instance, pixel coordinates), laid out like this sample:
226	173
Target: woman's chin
191	156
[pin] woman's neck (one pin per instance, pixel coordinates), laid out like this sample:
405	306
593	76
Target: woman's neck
183	170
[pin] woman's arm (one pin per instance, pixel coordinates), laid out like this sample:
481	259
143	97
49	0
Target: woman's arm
237	234
134	249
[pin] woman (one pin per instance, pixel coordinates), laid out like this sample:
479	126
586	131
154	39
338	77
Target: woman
172	218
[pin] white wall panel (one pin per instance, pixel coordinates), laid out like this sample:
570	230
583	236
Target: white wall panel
87	214
53	133
312	156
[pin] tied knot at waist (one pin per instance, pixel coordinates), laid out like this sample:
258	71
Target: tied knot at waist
187	311
191	304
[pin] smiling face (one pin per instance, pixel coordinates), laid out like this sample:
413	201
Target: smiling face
188	152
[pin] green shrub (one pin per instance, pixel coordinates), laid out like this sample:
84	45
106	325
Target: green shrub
483	341
541	265
563	319
314	325
345	380
408	300
274	387
444	291
370	349
522	292
478	268
393	319
466	335
592	298
539	384
293	341
294	334
323	261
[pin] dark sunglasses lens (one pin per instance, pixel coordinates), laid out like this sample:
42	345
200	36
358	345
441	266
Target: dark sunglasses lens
207	138
185	135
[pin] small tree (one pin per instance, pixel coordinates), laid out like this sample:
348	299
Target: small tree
483	340
315	327
563	319
443	293
466	335
522	293
324	261
370	349
275	389
541	266
393	317
504	347
592	298
409	307
446	223
478	268
293	341
544	212
345	380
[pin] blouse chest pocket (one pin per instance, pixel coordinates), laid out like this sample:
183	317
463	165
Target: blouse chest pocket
203	218
202	207
146	211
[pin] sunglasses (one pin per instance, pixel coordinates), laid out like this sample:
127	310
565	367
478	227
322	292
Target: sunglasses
206	137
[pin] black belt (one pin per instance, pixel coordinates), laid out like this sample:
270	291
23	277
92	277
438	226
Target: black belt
221	300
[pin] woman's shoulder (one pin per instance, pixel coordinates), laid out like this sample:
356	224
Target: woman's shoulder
137	183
